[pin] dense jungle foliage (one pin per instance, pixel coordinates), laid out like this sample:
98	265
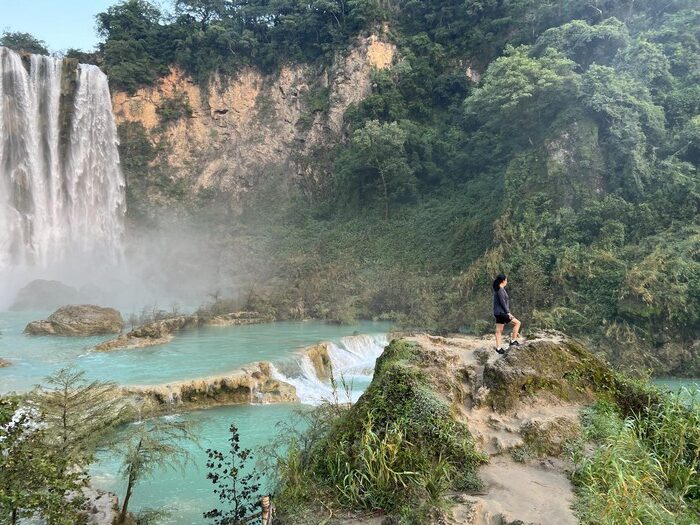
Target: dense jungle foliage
566	157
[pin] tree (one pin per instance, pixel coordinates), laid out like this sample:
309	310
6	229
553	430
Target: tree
136	49
377	158
26	42
520	94
33	478
236	490
79	414
585	44
150	444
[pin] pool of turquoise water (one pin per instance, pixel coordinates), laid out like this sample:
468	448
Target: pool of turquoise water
197	353
191	354
187	494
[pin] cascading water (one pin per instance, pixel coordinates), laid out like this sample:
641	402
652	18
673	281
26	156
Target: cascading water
352	361
61	188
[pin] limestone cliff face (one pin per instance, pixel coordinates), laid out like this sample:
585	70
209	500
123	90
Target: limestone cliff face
242	128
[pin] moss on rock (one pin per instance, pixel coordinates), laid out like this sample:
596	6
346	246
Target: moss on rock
399	445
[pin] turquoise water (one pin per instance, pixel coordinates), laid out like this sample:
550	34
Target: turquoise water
674	384
187	494
192	354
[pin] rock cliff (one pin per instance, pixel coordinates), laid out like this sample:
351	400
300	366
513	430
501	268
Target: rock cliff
229	135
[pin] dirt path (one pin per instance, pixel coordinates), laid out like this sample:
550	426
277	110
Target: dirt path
535	490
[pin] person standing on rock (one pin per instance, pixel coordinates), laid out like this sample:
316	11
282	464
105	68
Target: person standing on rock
501	310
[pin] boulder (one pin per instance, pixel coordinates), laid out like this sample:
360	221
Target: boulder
78	320
321	361
42	295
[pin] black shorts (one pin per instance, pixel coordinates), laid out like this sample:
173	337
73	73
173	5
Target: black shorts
502	319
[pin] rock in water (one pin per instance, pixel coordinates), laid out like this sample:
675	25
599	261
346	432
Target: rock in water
4	363
42	295
78	320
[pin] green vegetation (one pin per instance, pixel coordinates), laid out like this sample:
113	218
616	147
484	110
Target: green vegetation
174	108
50	436
203	36
25	42
567	159
34	478
645	468
398	449
238	491
149	444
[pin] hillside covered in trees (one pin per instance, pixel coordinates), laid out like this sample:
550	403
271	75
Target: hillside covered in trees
557	141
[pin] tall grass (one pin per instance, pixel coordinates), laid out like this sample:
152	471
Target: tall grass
397	450
645	469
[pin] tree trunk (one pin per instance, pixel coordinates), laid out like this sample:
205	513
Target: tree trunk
127	497
14	516
386	196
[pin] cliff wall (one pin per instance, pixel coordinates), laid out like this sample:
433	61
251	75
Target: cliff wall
230	135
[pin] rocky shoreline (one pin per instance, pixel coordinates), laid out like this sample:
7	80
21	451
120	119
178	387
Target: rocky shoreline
252	384
161	331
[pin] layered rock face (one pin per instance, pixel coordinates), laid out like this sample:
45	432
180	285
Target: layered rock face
251	384
240	130
78	320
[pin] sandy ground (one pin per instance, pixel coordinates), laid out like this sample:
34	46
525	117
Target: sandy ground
535	492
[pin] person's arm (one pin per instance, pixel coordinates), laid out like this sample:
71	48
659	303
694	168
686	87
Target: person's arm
501	299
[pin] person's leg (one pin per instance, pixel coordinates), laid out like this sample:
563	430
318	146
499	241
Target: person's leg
499	331
516	328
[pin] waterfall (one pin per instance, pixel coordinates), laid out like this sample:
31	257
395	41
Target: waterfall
352	360
61	188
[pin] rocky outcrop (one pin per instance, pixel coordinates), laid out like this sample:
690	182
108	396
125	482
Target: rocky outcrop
559	366
150	334
78	320
251	384
100	507
321	361
161	331
521	410
243	128
4	363
42	295
235	319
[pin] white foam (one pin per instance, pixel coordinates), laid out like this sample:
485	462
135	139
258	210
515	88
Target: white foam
352	361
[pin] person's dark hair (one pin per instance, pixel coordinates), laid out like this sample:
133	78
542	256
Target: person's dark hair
498	280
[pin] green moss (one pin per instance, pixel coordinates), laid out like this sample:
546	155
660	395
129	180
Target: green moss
398	447
550	438
567	370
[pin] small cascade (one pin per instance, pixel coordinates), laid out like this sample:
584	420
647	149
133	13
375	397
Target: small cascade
352	361
61	187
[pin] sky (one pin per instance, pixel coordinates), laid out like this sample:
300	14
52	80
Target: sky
62	24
